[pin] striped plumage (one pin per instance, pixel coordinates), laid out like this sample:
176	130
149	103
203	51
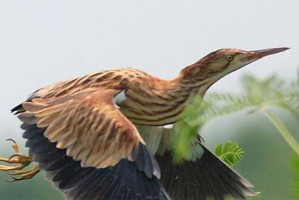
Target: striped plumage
101	136
149	100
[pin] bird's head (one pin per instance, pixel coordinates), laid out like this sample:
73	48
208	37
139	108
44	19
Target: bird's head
224	61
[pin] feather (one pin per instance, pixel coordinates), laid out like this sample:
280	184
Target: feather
124	181
207	174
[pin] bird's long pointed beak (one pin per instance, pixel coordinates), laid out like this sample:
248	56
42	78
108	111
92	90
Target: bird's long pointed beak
251	56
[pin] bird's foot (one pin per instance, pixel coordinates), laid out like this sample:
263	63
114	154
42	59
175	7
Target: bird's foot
20	175
16	171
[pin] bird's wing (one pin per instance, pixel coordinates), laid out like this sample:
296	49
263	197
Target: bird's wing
124	181
87	124
201	171
201	175
204	178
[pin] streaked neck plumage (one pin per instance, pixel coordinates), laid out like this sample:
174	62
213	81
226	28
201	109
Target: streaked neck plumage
157	104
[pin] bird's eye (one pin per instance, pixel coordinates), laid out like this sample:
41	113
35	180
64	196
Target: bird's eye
229	58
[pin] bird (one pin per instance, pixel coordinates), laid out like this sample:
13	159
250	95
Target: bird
107	135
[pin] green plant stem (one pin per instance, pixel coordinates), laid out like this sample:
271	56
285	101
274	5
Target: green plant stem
282	130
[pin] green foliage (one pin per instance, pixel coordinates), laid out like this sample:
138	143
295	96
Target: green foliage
258	95
230	152
182	143
295	178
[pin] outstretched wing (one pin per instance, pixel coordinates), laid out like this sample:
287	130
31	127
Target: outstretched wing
88	125
202	175
88	148
124	181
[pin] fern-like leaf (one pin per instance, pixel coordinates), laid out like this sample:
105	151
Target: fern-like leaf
230	152
258	94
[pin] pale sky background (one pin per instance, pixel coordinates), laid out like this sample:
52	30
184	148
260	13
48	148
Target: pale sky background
46	41
43	42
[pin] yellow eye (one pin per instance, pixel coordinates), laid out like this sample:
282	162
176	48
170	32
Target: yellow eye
229	58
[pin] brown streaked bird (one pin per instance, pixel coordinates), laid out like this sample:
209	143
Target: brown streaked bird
102	136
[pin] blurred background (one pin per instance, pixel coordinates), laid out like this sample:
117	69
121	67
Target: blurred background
42	42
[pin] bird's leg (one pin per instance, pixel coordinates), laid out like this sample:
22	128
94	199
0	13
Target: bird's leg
16	171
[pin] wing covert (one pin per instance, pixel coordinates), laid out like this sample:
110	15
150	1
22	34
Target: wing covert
87	124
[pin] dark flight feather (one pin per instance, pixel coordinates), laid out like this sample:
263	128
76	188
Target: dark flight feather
124	181
206	177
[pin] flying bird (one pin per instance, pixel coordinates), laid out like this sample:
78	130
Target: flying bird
107	135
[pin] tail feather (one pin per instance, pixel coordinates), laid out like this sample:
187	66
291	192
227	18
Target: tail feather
206	177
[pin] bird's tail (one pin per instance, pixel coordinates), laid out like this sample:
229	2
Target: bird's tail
206	177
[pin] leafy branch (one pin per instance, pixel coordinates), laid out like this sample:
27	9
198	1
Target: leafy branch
264	95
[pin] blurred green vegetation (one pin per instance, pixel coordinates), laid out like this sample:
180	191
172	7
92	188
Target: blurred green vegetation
237	117
268	138
295	178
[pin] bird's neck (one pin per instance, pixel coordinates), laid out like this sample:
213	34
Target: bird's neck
158	102
195	79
